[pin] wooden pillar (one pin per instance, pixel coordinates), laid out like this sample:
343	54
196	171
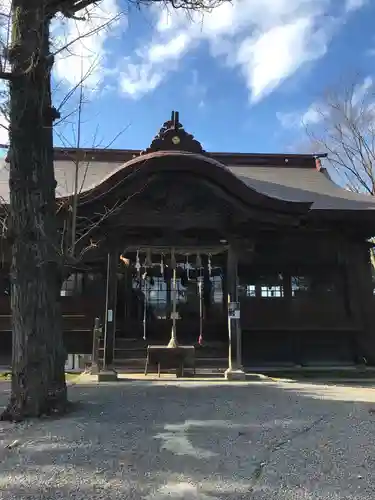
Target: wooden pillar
234	371
361	300
207	292
168	284
110	316
224	286
296	340
287	285
128	291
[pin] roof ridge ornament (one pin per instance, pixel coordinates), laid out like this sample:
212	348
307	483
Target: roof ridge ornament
173	137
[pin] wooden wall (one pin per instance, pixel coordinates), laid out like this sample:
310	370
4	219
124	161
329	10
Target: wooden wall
294	327
78	319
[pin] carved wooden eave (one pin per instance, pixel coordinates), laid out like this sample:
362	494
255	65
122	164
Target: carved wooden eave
173	137
144	169
173	150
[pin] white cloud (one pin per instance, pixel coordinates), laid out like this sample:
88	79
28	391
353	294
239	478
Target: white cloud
289	120
135	80
313	115
361	91
85	40
274	55
196	91
173	49
86	43
266	40
156	60
139	80
359	97
352	5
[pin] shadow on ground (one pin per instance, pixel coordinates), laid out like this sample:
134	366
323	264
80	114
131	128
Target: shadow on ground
195	440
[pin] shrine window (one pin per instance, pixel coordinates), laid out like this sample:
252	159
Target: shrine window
195	289
250	291
265	287
155	291
217	286
274	291
300	285
319	285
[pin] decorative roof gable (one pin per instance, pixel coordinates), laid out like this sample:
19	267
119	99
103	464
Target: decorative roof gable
173	137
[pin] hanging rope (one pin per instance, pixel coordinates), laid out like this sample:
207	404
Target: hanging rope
187	265
145	313
137	264
200	290
209	265
145	288
162	264
198	261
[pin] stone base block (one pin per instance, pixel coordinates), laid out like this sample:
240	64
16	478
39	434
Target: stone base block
107	376
94	369
231	374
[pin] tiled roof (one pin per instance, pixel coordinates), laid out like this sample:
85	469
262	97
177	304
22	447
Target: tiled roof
285	183
303	185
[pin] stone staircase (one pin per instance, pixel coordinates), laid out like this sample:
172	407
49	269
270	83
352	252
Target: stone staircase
130	355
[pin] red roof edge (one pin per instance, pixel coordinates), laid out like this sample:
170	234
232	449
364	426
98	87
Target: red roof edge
318	164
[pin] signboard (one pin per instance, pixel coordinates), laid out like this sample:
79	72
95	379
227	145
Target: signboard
110	316
234	310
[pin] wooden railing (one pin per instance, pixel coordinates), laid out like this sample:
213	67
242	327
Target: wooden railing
77	313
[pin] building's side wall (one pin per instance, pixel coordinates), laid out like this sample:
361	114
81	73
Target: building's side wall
304	299
361	298
297	302
78	313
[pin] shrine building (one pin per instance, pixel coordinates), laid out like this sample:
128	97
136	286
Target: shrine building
173	236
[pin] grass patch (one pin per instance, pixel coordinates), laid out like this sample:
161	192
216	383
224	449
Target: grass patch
71	376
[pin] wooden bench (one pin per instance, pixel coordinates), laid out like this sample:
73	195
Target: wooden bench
177	358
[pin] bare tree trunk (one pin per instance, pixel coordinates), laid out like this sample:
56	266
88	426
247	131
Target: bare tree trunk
38	378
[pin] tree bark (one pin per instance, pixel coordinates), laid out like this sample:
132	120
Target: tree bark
38	378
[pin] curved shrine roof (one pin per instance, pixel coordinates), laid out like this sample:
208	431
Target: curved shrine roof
286	183
287	178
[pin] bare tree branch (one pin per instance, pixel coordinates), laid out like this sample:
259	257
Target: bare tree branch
346	130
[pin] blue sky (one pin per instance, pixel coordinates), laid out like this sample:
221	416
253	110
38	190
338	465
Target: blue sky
241	77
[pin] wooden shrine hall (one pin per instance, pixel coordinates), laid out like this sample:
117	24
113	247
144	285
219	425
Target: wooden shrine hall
182	235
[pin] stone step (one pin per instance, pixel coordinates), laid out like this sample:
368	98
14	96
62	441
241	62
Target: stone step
206	351
137	363
141	354
124	341
203	372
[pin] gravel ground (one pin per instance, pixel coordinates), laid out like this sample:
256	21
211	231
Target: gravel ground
196	440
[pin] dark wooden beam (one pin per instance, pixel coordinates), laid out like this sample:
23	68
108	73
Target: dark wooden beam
110	309
171	221
235	354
